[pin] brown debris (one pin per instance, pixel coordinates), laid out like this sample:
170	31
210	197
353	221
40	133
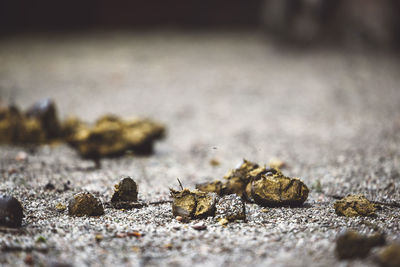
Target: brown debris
45	112
354	205
390	256
125	194
353	245
112	136
85	203
109	136
16	128
60	207
11	212
279	190
193	204
214	162
215	187
265	186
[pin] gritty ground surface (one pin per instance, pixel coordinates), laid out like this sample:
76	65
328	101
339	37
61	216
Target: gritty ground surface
331	116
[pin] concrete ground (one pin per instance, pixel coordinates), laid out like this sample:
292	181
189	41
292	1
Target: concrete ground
331	115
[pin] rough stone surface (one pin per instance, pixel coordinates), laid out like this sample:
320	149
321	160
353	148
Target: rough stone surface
230	207
354	205
11	212
330	115
354	245
85	204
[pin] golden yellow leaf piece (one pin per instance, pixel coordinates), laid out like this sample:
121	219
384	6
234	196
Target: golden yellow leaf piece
354	205
193	204
278	190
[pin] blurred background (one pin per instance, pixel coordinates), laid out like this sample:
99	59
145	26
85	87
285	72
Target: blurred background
374	22
249	78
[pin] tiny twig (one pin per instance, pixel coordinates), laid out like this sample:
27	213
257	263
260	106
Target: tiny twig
180	184
159	202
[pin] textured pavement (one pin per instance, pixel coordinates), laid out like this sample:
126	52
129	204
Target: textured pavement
331	115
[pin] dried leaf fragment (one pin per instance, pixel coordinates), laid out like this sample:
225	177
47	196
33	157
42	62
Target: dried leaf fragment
193	204
279	190
354	205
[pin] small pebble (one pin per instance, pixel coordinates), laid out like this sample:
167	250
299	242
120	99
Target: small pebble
21	156
199	226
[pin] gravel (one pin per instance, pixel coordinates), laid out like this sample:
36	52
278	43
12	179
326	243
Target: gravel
331	115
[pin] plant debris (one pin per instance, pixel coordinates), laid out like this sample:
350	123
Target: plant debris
353	245
109	136
265	186
215	187
230	208
193	204
390	256
60	207
45	112
125	194
278	190
214	162
354	205
11	212
16	128
112	136
85	203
